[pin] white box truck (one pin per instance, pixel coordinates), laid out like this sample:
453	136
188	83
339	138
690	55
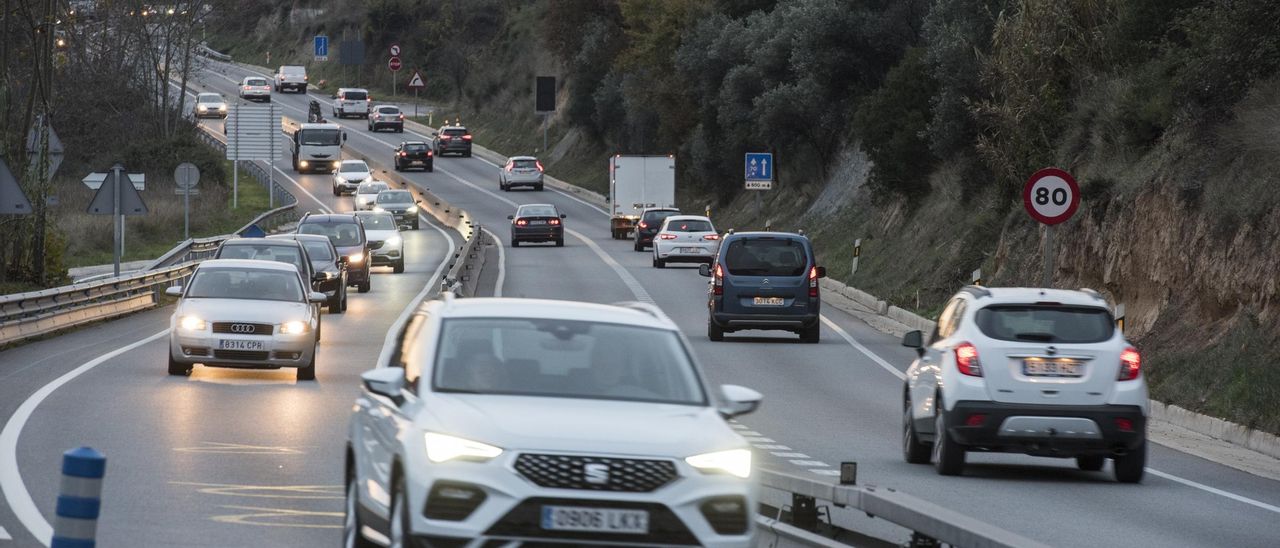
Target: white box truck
317	147
636	183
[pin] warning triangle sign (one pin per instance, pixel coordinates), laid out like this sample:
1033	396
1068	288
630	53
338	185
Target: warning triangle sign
416	81
130	201
12	200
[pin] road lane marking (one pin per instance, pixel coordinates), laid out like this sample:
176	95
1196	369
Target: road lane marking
868	353
328	492
237	449
385	355
4	535
15	491
502	262
790	455
259	513
804	463
757	439
322	205
1215	491
825	472
772	447
630	281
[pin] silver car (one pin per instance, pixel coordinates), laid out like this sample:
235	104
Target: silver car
247	314
366	193
521	171
349	175
400	204
685	239
386	247
255	88
211	105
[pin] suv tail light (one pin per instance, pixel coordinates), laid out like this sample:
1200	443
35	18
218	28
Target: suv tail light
402	116
466	137
667	236
967	360
510	167
522	222
813	281
717	280
1130	364
539	164
644	224
403	154
711	237
444	137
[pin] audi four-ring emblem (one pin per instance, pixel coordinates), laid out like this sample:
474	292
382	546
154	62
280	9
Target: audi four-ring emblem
243	328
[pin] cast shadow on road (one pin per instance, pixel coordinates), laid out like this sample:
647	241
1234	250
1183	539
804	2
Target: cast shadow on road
774	340
1043	473
229	376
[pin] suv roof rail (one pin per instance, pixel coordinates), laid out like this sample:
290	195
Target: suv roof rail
977	291
647	308
1092	293
730	231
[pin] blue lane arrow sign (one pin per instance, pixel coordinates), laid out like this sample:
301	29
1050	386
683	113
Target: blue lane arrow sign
759	166
322	48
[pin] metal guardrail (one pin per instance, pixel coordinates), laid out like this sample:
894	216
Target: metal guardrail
929	522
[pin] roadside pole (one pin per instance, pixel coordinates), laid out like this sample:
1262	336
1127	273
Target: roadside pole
117	219
1046	279
758	169
1051	196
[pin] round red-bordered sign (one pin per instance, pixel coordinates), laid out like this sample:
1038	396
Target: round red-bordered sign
394	64
1051	196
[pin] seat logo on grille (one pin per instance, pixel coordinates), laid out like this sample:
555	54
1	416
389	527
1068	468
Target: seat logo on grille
243	328
596	473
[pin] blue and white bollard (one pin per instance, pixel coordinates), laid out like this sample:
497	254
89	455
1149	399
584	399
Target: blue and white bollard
79	499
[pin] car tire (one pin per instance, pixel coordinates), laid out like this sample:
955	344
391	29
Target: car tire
335	191
637	247
308	373
466	154
714	332
397	166
515	242
914	451
948	456
178	369
399	532
559	242
363	287
400	129
659	263
812	334
335	304
1129	467
431	167
538	188
342	113
304	89
415	224
1090	463
344	298
351	525
398	267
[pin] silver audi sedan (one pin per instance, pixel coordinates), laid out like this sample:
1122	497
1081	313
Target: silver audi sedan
245	314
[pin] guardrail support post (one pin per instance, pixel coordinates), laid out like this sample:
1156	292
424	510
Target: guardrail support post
79	499
919	540
804	512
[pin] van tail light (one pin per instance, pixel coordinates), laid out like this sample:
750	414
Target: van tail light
368	99
522	222
402	154
967	360
466	137
813	281
1130	364
553	222
306	78
402	116
539	164
644	224
711	237
717	280
667	236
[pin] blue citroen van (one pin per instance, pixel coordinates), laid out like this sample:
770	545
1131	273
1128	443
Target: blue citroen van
764	280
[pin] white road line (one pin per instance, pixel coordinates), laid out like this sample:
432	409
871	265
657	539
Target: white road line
773	447
801	462
631	282
1215	491
4	535
853	342
755	439
15	491
434	282
750	433
502	262
322	205
825	472
791	455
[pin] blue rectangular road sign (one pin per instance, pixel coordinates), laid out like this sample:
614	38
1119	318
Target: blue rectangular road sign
322	47
759	166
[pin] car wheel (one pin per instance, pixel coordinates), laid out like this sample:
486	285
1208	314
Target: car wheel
636	246
466	154
344	298
538	188
811	334
342	113
1090	463
415	223
559	242
335	191
948	456
399	526
398	268
308	373
714	332
351	526
335	304
914	451
431	167
363	287
515	242
659	263
179	369
1129	467
397	166
400	129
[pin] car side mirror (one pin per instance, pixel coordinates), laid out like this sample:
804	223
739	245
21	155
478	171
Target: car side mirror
174	291
822	272
386	381
704	270
344	136
738	400
563	216
511	217
317	297
434	133
914	339
333	96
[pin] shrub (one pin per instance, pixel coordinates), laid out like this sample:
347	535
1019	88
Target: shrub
892	122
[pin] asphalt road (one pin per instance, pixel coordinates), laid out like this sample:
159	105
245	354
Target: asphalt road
239	458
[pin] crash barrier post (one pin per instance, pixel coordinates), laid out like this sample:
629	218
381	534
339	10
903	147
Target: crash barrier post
79	499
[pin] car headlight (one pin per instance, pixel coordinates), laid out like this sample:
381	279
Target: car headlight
411	209
191	323
733	461
222	107
202	108
378	208
294	327
394	241
355	258
441	448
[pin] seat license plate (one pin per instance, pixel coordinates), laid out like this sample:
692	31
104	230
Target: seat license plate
417	162
1052	368
537	222
595	520
769	301
233	344
694	250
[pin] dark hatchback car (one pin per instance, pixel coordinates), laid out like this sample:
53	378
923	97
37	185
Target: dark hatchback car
411	154
330	275
537	223
452	140
649	224
347	234
764	280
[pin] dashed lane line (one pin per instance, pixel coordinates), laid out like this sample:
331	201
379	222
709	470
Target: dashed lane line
4	535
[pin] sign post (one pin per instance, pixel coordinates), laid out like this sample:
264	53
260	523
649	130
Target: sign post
416	83
1050	196
117	199
544	102
186	176
758	173
394	65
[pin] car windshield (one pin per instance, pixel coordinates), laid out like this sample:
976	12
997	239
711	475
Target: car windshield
318	251
537	211
319	137
341	234
251	284
524	164
371	188
1046	323
354	95
766	257
568	359
209	98
378	221
354	167
394	197
256	82
689	225
263	252
415	147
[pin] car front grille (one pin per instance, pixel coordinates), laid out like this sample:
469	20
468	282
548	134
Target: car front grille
242	328
596	473
246	355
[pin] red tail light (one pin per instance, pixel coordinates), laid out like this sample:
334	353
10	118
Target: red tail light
711	237
445	137
510	167
466	137
1124	425
967	360
539	164
554	222
717	281
368	99
813	281
522	222
401	116
1130	364
667	236
644	224
429	153
975	419
402	154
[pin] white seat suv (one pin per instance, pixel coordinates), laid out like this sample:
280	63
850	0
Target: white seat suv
1043	372
491	421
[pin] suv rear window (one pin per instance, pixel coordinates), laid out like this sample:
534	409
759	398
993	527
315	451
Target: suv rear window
388	110
524	164
354	95
1045	323
691	225
455	131
341	234
761	257
655	217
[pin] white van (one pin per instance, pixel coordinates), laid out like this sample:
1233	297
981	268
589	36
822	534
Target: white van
317	147
291	77
351	102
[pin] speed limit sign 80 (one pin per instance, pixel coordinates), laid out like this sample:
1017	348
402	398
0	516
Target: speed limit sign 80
1051	196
